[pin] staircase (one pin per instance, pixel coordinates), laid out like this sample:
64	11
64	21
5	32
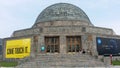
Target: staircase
62	60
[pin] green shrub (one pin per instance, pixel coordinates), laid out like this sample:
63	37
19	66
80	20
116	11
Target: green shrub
8	64
116	62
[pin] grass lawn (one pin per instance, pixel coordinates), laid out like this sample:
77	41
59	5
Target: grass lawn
8	64
116	62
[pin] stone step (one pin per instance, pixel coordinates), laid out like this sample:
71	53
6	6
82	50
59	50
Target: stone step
68	64
62	56
67	60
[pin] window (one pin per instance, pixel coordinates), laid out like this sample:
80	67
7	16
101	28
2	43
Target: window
52	44
69	48
73	43
48	48
83	29
56	48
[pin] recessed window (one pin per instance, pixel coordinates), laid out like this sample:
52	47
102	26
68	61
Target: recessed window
83	29
74	43
52	44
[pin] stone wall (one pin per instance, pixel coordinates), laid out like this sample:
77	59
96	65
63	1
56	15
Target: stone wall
62	23
63	29
27	32
76	29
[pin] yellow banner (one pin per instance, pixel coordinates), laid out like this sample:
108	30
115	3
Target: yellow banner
18	48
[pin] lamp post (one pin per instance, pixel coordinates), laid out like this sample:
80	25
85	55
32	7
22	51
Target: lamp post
111	59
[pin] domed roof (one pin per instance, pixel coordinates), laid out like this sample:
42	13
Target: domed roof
62	12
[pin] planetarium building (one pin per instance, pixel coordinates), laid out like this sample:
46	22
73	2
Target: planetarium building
62	35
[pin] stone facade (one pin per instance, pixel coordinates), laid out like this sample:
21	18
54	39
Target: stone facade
63	31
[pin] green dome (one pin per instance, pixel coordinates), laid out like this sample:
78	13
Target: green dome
62	12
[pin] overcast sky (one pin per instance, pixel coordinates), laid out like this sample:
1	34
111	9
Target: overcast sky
21	14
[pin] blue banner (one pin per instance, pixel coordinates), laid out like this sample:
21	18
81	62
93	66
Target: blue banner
107	46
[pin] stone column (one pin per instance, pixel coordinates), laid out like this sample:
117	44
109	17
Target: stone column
4	49
95	53
84	42
32	48
38	45
63	46
41	42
